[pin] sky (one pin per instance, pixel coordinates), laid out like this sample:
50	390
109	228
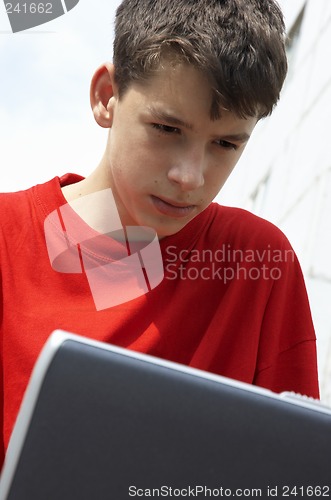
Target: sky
46	124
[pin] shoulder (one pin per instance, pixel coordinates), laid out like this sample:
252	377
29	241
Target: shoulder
20	209
243	228
38	200
13	203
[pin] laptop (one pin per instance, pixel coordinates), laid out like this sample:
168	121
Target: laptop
101	422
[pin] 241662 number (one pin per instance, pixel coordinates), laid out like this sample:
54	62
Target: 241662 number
32	8
303	491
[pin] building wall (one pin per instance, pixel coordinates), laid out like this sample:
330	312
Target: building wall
285	173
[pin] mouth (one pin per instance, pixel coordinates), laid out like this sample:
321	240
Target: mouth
172	208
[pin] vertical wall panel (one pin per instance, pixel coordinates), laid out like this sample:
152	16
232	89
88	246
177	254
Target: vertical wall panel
285	173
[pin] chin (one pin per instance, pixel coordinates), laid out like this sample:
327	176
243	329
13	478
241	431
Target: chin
163	231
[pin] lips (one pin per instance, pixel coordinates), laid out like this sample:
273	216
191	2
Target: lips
172	208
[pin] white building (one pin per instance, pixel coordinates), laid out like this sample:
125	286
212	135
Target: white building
285	173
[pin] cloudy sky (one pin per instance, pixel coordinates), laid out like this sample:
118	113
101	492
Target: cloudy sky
46	125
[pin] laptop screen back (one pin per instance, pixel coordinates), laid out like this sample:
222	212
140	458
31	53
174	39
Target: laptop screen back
111	424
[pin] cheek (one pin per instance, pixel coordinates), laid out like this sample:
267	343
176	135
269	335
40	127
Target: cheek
131	176
135	155
217	176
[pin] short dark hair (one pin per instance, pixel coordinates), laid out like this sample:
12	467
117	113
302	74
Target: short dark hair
238	44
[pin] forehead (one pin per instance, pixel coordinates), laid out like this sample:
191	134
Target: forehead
182	91
177	86
181	81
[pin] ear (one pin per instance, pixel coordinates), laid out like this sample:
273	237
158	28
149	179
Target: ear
102	90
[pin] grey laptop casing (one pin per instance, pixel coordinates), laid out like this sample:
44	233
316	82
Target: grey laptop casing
102	422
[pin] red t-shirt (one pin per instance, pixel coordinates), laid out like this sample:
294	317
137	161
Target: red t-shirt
232	300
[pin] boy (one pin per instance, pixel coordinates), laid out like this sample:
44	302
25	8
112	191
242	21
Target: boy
189	82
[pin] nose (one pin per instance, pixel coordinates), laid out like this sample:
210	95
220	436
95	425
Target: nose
188	172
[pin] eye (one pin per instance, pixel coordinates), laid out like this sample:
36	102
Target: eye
227	145
165	129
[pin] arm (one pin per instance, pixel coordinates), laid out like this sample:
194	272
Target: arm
287	352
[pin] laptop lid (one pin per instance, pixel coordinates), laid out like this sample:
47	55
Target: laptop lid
101	422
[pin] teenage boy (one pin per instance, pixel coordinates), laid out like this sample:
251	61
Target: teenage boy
189	82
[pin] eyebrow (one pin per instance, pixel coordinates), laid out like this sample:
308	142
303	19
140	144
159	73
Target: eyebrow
243	137
163	116
167	117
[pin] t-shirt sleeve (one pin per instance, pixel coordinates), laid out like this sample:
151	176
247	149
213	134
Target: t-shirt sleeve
287	358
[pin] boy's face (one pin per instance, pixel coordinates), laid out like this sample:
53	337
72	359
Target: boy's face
166	159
